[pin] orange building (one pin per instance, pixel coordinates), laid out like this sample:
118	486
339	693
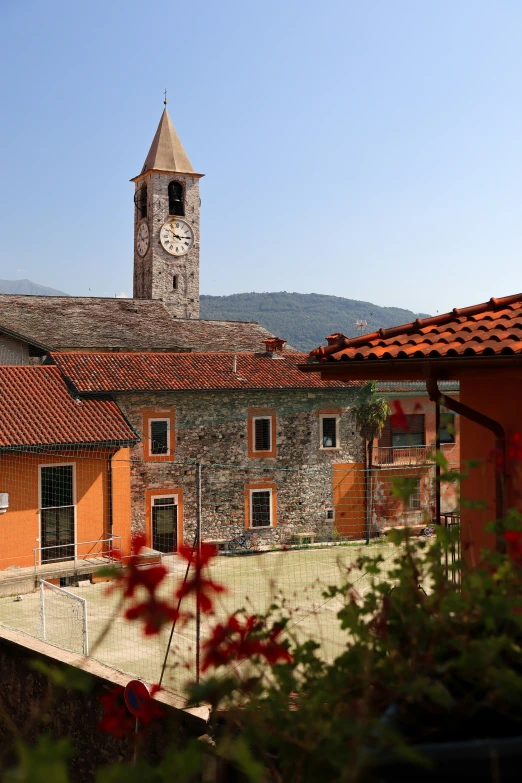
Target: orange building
479	346
64	477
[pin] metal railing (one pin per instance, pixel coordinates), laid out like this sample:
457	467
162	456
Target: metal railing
451	521
101	552
406	455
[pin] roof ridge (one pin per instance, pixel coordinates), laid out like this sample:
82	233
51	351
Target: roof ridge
419	323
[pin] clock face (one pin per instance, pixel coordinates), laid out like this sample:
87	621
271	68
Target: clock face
176	237
142	239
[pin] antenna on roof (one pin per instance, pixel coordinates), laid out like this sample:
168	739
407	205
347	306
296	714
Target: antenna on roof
361	326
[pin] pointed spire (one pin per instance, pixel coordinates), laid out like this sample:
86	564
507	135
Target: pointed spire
166	152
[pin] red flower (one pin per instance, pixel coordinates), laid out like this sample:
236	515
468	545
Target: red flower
398	418
116	719
200	586
239	641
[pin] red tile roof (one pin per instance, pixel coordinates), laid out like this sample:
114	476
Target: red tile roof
37	409
493	328
125	372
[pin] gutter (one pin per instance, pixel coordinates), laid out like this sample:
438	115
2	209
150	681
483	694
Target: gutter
488	423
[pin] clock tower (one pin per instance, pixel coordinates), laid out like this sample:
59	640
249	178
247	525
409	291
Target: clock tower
166	225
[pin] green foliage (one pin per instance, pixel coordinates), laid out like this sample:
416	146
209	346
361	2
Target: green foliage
370	412
43	762
303	320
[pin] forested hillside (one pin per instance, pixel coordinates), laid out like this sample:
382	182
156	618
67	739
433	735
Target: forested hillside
304	320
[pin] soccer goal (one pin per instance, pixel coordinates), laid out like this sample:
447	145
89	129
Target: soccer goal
63	618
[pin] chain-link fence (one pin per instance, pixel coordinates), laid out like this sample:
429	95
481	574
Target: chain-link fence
279	534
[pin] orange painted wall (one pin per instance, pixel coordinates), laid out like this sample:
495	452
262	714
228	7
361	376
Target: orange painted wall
497	395
348	498
121	498
422	404
19	526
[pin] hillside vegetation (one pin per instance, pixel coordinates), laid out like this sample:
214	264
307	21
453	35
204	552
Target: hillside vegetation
304	320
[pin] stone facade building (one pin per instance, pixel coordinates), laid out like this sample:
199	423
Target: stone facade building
265	436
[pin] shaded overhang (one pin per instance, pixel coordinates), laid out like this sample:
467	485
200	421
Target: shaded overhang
412	369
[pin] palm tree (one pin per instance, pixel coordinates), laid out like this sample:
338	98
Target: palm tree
370	413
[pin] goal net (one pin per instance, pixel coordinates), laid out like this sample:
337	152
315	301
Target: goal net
63	618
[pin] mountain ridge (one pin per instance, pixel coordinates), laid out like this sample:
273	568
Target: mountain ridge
28	288
303	320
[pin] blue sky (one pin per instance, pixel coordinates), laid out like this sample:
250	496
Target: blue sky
370	149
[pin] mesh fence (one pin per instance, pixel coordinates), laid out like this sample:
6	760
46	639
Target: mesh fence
284	534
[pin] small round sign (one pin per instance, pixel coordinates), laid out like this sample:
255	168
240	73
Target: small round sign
137	697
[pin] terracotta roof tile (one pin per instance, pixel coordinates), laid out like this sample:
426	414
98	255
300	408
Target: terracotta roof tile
488	329
37	409
92	373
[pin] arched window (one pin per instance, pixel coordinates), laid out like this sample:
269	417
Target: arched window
176	199
140	199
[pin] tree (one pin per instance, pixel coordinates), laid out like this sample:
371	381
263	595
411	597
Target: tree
371	413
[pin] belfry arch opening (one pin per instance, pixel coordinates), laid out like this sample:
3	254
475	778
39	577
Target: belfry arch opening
176	199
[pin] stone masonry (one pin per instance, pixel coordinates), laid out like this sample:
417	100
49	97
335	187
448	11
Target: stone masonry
212	428
154	273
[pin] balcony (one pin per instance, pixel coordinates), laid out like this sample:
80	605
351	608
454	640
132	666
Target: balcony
384	456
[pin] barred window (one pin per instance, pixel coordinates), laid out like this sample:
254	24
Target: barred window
263	433
159	436
261	508
414	500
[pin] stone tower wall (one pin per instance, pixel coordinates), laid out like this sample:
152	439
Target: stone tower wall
153	274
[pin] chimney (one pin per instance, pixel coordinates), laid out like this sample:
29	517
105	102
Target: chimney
332	339
274	345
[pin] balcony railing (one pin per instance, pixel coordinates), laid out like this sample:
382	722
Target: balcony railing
406	455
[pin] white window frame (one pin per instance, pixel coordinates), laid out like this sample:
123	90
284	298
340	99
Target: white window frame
251	509
178	515
268	418
168	452
56	465
337	438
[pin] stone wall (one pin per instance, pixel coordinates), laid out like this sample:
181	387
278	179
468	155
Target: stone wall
13	351
212	428
154	272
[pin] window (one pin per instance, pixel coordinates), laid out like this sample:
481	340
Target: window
329	432
330	514
261	507
176	199
175	283
164	518
57	512
140	199
262	433
447	427
414	500
159	436
398	437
